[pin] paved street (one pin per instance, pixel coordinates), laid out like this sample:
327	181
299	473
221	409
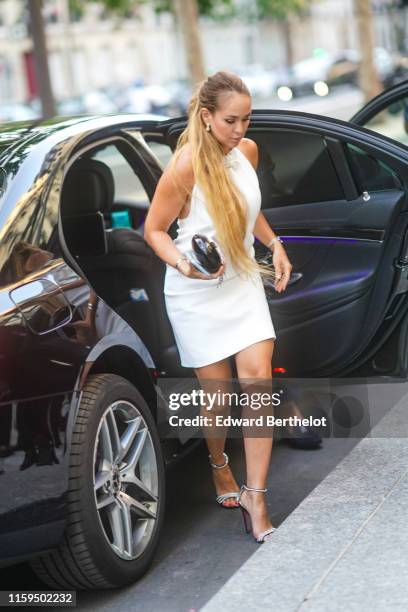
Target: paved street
345	546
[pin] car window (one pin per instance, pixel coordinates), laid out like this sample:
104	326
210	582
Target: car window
392	121
291	166
128	188
370	174
29	231
161	151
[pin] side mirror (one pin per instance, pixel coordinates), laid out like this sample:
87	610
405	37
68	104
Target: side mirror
43	305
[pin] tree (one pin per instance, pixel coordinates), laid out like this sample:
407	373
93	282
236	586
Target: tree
369	81
187	16
42	72
283	10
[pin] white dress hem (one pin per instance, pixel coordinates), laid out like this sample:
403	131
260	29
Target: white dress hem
234	352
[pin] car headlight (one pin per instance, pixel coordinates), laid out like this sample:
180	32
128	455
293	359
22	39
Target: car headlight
321	88
284	93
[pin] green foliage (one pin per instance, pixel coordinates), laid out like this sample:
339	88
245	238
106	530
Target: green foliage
280	9
211	8
120	7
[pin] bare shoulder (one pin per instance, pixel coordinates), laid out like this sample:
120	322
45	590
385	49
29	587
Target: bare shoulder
250	149
184	165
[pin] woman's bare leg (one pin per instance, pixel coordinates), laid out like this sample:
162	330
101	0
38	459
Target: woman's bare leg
220	374
255	362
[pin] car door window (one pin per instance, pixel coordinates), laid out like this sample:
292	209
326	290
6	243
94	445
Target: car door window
392	121
161	151
127	185
130	199
291	166
370	174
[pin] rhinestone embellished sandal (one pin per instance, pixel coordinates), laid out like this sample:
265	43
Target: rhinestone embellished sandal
226	496
260	538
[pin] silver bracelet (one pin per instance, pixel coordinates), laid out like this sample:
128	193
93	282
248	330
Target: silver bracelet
275	239
178	262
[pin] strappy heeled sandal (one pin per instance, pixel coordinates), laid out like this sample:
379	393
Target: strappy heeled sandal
220	499
260	538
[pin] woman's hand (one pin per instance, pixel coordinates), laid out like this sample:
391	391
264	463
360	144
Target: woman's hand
186	267
282	267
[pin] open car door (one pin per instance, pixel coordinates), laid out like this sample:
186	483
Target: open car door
387	113
337	195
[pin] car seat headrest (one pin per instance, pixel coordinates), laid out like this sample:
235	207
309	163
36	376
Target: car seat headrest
88	187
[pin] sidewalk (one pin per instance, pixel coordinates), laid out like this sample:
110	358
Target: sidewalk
345	547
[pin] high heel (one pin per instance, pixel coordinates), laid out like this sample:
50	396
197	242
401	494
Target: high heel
220	499
260	538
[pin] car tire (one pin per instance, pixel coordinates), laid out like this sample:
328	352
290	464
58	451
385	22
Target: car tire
116	491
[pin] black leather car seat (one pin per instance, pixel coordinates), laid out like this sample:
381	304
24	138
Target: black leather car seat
128	266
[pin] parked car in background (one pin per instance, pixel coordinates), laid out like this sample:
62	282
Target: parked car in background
16	112
180	91
85	341
70	106
260	82
318	74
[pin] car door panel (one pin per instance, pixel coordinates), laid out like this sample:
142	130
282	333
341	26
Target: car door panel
338	259
350	217
331	276
344	251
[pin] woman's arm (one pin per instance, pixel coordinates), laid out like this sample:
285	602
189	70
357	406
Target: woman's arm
263	231
166	205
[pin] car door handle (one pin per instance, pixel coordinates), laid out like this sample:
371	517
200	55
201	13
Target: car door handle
295	278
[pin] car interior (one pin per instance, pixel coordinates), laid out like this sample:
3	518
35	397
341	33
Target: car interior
119	264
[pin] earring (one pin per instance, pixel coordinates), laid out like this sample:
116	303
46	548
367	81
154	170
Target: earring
208	127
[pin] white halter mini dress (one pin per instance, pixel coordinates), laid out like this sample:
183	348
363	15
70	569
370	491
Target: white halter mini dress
212	321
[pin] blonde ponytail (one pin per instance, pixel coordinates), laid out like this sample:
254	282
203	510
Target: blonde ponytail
225	203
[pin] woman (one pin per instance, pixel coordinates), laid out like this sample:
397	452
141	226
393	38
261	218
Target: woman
211	187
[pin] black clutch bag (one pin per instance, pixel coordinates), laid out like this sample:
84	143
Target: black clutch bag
205	255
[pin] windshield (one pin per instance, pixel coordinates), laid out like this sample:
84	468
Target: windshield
12	133
2	181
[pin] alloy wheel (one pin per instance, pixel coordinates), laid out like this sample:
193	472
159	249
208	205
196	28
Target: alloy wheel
125	479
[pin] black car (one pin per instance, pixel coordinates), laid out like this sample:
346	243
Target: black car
82	404
324	72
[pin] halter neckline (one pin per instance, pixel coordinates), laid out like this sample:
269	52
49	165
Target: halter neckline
231	159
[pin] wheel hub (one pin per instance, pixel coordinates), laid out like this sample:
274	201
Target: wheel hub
116	481
113	485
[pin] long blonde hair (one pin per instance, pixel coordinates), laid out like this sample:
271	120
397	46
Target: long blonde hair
225	203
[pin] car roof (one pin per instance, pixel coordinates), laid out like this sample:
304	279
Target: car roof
19	132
